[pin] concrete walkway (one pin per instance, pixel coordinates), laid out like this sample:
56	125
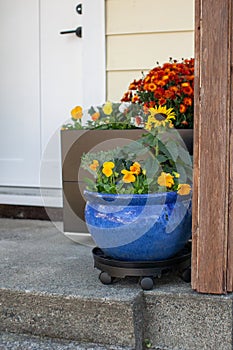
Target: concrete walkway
36	256
49	288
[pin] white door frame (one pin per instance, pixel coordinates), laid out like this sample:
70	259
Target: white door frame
94	70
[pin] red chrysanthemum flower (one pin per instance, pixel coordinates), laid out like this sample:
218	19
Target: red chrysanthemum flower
172	84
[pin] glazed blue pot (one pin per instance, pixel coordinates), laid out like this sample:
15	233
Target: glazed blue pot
139	227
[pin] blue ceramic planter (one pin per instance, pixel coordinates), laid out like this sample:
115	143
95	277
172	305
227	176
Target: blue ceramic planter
139	227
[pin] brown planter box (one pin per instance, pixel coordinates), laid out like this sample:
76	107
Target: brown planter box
73	144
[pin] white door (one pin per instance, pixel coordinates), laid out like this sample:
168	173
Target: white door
43	75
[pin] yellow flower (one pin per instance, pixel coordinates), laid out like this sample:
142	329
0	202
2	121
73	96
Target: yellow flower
109	165
149	123
107	172
107	108
148	126
107	168
128	176
184	189
166	180
144	171
135	168
161	116
177	175
77	112
94	165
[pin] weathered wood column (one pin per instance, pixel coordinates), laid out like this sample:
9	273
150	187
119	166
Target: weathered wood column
212	261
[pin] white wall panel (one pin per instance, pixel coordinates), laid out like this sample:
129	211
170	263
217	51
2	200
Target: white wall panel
118	82
140	33
132	52
134	16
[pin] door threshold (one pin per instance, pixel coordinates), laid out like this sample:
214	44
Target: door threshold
31	196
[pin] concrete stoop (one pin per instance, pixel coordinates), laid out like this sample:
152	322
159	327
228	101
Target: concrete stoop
51	298
70	317
26	342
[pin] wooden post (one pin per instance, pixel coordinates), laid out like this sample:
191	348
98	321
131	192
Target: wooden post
212	260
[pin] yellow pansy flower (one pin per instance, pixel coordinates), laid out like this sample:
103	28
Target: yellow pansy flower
77	112
109	165
184	189
94	165
107	108
135	168
107	168
128	176
166	180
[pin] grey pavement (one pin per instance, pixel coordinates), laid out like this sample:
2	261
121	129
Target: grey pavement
37	256
49	288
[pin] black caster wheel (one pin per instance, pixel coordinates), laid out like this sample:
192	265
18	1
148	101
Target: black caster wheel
105	278
147	283
186	275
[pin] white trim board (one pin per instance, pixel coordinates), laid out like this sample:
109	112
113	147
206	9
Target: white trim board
33	196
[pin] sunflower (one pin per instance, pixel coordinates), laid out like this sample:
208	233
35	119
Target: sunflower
160	116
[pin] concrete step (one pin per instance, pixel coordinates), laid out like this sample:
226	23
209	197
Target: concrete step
49	288
11	341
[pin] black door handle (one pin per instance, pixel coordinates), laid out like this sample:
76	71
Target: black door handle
77	31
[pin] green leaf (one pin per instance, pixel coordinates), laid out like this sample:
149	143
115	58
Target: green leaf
89	181
91	185
184	171
163	149
161	158
152	166
172	149
135	148
184	155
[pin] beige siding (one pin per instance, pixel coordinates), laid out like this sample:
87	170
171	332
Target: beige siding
140	33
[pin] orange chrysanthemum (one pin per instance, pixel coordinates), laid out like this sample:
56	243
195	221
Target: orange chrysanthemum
151	87
135	98
182	108
188	101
